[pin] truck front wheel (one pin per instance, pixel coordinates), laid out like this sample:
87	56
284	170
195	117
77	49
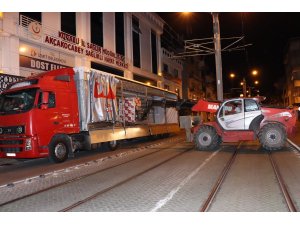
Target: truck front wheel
272	136
206	138
59	148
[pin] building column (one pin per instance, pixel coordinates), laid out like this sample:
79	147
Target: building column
83	32
128	45
9	55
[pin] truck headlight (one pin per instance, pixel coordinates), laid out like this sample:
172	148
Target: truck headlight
28	145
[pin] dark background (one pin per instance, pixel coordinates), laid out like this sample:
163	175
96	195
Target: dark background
267	32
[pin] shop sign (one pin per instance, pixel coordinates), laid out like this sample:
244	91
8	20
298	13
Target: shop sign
34	59
79	46
37	64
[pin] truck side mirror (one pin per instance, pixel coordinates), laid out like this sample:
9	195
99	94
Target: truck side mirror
45	100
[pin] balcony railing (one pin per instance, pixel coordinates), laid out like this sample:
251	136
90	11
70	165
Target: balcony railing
5	80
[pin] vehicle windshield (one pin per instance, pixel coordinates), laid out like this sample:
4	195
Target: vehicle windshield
17	102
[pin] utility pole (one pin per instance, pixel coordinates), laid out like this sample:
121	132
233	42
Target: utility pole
244	88
217	43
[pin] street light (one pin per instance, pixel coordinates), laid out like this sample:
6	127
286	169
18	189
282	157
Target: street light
186	13
254	72
243	83
232	75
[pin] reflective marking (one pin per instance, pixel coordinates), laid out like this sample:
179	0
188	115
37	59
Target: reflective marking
165	200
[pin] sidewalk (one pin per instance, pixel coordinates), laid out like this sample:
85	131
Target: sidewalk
296	139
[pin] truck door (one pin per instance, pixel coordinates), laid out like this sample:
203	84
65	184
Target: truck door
231	115
45	117
252	110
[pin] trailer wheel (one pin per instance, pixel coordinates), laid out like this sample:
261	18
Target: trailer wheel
206	138
272	136
59	148
112	145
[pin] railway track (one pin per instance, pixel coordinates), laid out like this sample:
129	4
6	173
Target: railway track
290	203
208	202
220	179
99	171
95	195
287	197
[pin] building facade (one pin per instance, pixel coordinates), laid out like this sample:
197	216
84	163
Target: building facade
171	72
292	73
125	44
198	82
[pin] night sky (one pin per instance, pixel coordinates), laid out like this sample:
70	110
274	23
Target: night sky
267	32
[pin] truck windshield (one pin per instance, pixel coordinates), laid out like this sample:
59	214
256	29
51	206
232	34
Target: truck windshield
17	102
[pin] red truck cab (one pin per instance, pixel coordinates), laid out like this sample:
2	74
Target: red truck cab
36	109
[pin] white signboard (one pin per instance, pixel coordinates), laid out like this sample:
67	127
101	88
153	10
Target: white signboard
36	59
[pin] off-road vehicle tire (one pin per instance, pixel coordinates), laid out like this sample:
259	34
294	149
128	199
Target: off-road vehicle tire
272	136
206	138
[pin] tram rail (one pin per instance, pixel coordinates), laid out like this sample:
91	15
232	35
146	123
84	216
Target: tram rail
283	187
89	174
220	180
95	195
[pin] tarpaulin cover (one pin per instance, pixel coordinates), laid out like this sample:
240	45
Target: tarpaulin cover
96	96
103	101
205	106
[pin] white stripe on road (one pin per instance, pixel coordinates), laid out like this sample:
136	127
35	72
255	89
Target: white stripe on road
165	200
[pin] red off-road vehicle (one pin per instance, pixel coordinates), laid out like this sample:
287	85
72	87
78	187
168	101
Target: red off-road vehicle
244	119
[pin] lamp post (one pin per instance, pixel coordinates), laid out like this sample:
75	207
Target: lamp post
244	83
256	82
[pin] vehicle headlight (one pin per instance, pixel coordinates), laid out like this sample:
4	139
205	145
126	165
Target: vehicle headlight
28	144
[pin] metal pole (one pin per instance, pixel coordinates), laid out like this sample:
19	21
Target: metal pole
244	88
217	42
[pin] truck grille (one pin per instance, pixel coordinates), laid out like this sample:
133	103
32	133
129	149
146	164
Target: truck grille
11	146
11	142
10	150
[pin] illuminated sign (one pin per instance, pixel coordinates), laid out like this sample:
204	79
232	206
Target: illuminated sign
79	46
35	59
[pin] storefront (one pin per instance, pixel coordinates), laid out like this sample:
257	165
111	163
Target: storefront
31	44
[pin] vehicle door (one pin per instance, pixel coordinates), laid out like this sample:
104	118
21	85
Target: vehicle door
231	115
45	117
252	110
